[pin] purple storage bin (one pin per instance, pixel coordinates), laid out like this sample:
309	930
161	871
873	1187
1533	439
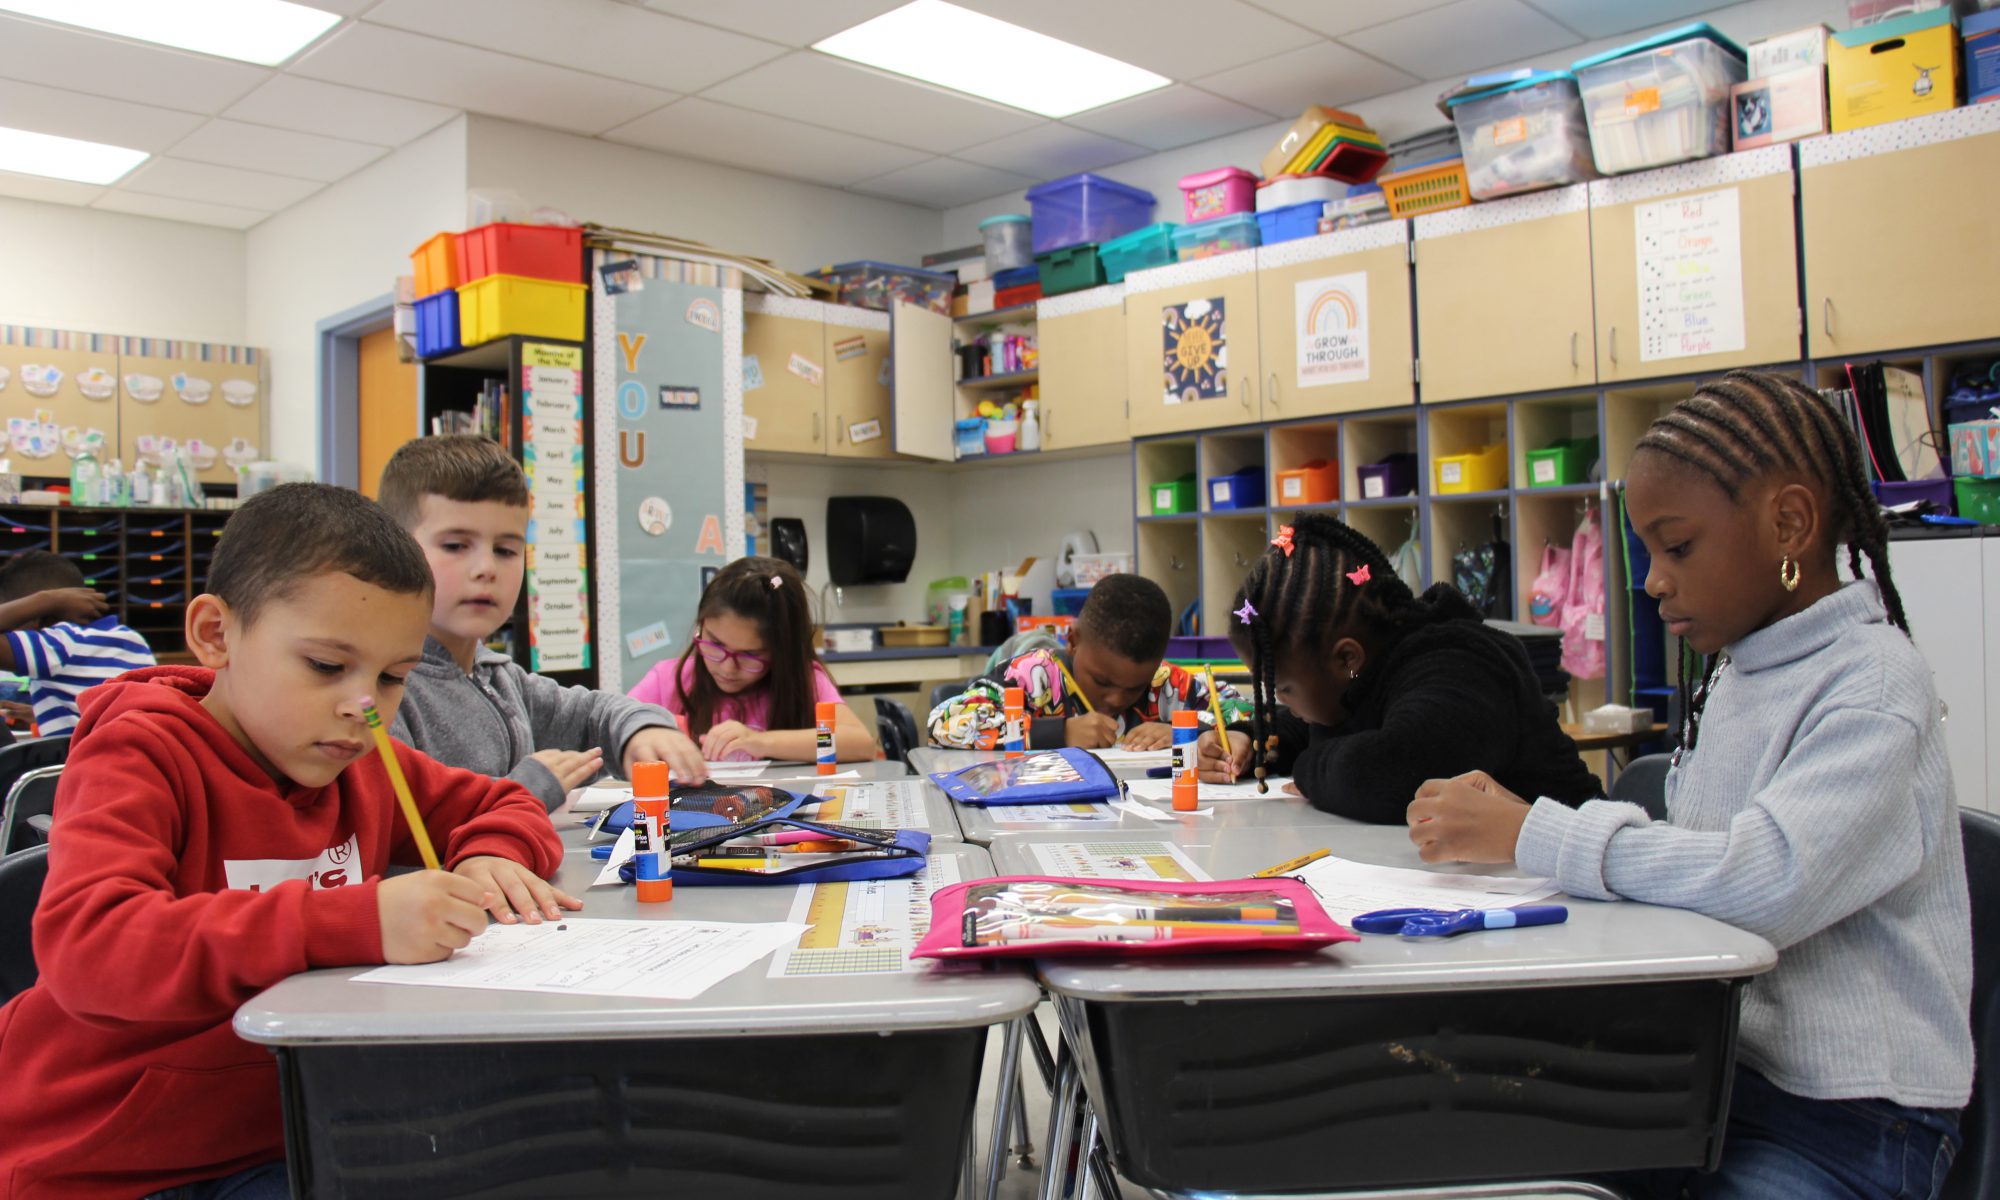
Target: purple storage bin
1395	475
437	324
1209	649
1937	491
1085	208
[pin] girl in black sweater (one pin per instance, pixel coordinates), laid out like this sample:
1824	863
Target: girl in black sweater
1382	689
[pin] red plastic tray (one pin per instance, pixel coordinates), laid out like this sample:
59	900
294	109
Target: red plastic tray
537	251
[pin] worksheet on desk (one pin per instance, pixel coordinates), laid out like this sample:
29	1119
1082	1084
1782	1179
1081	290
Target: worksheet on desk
1048	814
1116	860
1162	790
1346	889
877	804
650	960
863	928
1116	756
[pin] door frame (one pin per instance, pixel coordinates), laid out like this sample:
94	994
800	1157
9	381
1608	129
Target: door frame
338	339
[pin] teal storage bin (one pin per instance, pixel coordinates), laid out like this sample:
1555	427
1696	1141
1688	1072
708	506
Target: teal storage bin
1173	496
1070	269
1139	250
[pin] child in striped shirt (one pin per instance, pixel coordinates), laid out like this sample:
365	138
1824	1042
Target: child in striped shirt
60	636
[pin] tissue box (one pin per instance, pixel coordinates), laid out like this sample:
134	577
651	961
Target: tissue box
1616	718
1789	51
1975	450
1782	108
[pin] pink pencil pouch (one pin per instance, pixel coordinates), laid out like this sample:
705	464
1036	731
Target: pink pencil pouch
1043	916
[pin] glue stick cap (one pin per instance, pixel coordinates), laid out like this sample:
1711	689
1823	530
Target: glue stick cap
650	779
1187	718
1013	697
824	710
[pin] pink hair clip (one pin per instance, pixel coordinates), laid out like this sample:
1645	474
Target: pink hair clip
1284	540
776	583
1359	575
1246	614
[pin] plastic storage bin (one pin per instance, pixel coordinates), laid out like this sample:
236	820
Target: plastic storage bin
1070	269
1318	482
1008	241
1426	188
1085	208
1090	568
1223	236
879	285
437	324
1660	101
1520	131
1018	277
1981	32
1978	499
1395	475
1241	488
1290	222
1297	189
528	251
1207	195
499	305
1938	491
1344	153
1171	496
1481	470
436	264
1564	462
1200	649
1138	250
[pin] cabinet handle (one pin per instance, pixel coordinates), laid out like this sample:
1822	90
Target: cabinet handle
1273	397
1614	345
1572	349
816	434
840	428
1244	392
1826	316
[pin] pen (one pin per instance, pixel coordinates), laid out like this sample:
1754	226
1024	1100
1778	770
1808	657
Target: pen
400	784
1290	865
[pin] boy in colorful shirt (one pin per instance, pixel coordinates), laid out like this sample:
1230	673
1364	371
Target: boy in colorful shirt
59	636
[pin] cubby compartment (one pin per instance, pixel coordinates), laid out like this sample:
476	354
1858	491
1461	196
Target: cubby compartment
1230	546
1170	555
1368	440
1389	526
1458	524
1305	465
1542	423
1238	455
1164	462
1465	436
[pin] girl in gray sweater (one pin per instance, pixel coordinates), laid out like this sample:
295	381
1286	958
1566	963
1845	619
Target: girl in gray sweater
1811	803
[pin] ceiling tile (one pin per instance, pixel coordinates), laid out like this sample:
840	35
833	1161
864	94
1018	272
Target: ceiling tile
51	191
1052	151
1177	115
1346	16
279	151
714	132
1177	38
309	106
346	8
838	95
217	185
168	208
787	22
598	36
102	66
92	118
1462	38
1322	73
423	68
943	183
1608	18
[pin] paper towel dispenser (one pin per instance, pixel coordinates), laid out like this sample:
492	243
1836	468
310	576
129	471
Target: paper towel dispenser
869	539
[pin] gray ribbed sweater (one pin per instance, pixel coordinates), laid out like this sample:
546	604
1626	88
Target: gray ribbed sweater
1816	810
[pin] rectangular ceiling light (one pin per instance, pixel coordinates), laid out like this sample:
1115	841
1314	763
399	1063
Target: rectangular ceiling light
265	32
26	153
982	56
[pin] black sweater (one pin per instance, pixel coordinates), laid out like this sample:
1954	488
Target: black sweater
1449	697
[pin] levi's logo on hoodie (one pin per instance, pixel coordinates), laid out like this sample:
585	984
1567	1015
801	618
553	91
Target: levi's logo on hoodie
335	867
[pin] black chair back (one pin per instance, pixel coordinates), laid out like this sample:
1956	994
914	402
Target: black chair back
22	757
897	728
1977	1172
21	877
1644	782
33	795
943	692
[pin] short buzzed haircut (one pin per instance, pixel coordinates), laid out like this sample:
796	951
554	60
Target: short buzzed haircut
460	466
34	571
298	530
1128	615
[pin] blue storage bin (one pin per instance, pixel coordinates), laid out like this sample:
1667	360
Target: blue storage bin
969	437
1085	208
1242	488
1067	602
1139	250
1291	222
1014	277
437	324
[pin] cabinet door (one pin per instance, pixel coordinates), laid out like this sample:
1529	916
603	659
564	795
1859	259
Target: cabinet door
1687	291
1503	297
858	402
924	391
1083	370
1939	580
1334	319
789	408
1191	353
1900	247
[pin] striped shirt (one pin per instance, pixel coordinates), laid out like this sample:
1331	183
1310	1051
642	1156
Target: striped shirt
64	659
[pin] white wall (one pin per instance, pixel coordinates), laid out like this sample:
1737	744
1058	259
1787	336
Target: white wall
338	248
1003	513
799	226
800	490
104	272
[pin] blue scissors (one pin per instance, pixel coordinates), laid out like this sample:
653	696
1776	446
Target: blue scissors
1441	922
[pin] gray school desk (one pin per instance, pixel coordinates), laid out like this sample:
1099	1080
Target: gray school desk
935	815
831	1088
1604	1043
881	768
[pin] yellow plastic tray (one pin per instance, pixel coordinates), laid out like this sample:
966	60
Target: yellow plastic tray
499	305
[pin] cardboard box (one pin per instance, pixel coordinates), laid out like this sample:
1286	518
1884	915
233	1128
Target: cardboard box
1982	56
1783	108
1789	51
1898	68
1975	450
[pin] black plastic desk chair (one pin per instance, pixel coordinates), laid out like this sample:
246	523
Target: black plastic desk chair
943	692
29	805
20	758
21	878
896	727
1977	1172
1644	782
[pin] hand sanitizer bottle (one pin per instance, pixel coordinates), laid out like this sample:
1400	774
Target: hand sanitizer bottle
1031	425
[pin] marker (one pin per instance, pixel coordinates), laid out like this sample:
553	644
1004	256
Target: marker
400	784
1290	865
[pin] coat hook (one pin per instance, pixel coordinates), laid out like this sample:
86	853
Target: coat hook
1242	563
1174	563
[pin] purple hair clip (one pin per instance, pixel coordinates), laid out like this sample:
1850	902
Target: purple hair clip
1246	614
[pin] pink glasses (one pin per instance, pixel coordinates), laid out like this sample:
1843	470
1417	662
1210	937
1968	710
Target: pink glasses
715	654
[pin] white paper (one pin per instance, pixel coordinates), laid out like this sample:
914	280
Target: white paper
812	779
1045	814
609	793
1346	889
1162	790
863	928
653	960
1147	812
1690	276
1330	322
622	851
1119	757
1116	860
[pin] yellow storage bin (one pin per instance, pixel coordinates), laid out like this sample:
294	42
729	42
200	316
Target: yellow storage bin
436	264
1482	470
1902	67
499	305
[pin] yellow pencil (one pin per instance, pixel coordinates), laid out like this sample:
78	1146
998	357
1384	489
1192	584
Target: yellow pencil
1074	690
401	784
1290	865
1215	708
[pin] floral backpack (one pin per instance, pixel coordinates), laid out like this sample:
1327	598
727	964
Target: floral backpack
1583	606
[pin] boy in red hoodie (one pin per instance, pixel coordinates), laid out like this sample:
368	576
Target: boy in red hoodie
222	827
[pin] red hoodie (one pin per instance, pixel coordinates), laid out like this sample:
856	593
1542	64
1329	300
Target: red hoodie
182	882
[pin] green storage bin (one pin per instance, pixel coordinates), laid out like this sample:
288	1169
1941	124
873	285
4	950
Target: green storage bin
1564	462
1174	496
1070	269
1978	499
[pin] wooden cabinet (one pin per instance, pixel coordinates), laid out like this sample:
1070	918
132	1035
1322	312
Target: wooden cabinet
1191	345
1900	244
923	391
1334	323
858	398
1761	181
1503	297
787	412
1083	377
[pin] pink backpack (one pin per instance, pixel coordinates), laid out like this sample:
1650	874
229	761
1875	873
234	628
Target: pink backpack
1583	606
1551	588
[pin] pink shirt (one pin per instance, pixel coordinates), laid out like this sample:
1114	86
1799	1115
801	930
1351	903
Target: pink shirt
661	686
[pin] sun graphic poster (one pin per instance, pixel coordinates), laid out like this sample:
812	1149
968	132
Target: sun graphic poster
1332	329
1196	357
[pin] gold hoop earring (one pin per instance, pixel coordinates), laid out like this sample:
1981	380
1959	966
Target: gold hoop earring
1788	573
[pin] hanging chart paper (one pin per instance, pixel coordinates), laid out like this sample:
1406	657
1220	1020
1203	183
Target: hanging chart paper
1332	329
552	458
1116	860
1690	276
865	927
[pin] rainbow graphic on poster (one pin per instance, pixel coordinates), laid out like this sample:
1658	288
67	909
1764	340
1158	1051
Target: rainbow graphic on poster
1332	330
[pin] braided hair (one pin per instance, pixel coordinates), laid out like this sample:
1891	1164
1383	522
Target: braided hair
1305	600
1749	424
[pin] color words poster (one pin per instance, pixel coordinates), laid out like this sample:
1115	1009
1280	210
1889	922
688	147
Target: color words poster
1690	276
1195	339
1332	329
552	457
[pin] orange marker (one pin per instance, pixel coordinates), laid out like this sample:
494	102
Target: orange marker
654	877
824	714
1187	785
1015	705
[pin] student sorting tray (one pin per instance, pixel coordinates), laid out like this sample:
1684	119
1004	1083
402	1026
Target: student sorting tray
1606	1042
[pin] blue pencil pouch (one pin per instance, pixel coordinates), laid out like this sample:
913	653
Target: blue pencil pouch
710	805
698	855
1062	776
